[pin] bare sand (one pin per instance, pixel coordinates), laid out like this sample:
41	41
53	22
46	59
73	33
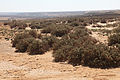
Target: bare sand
21	66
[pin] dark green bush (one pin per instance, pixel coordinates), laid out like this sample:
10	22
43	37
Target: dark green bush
50	40
39	36
47	29
35	25
114	39
78	48
38	47
33	33
116	30
18	24
101	56
103	21
74	24
19	37
61	54
60	31
23	44
97	56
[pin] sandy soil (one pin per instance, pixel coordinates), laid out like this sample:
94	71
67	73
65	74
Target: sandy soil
21	66
103	24
107	28
100	37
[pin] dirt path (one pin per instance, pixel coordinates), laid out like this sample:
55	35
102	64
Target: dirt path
20	66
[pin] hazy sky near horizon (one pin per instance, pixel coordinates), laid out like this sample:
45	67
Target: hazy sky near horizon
57	5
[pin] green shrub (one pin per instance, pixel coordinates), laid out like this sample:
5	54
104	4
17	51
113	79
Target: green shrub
78	48
116	30
50	40
60	31
19	37
61	54
97	56
74	24
38	47
39	36
103	21
33	33
114	39
47	29
18	24
23	44
75	56
101	56
36	25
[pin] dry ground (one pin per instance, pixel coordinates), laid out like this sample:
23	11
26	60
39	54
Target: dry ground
98	35
21	66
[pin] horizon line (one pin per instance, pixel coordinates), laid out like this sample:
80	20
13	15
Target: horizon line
57	11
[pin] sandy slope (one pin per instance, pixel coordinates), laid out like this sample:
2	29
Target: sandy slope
19	66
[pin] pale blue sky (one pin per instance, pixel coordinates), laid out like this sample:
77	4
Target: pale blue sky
57	5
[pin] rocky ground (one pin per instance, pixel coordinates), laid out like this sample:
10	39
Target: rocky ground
21	66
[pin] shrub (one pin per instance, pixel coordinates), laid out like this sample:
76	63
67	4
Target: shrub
97	56
101	56
103	21
116	30
33	33
18	24
23	44
60	31
61	54
47	29
78	48
38	47
39	36
50	40
19	37
34	25
75	56
114	39
74	24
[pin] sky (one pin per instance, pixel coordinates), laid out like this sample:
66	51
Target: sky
57	5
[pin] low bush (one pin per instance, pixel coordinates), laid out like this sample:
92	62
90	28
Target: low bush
47	29
78	48
103	21
114	39
23	44
116	30
38	47
17	24
33	33
19	37
61	54
34	25
39	36
60	31
74	24
101	56
50	40
97	56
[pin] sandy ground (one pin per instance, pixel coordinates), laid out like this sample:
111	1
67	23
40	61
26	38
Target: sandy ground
100	37
107	28
21	66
